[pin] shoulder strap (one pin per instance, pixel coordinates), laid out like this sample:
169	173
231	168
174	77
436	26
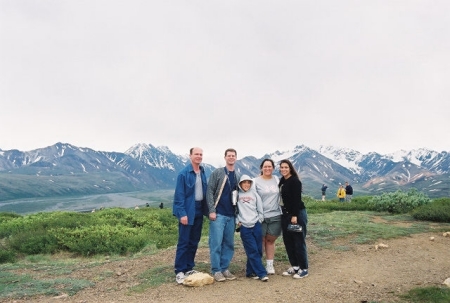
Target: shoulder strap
220	191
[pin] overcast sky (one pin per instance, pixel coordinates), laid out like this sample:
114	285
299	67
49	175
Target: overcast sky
258	75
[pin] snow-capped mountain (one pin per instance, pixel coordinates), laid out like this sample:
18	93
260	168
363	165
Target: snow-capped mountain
345	157
64	169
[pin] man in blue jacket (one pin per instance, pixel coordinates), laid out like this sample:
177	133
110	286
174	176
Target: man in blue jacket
188	204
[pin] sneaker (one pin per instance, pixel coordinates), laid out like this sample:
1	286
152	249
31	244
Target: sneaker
253	276
291	271
228	275
265	279
218	276
180	277
191	272
301	274
270	269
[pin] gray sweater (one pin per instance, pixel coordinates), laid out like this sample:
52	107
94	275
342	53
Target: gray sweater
214	183
249	205
270	195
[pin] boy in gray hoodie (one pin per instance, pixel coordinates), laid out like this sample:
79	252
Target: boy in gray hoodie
248	220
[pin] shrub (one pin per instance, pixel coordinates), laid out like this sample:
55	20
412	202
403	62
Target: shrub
104	239
398	202
8	216
436	211
32	242
6	255
317	206
111	231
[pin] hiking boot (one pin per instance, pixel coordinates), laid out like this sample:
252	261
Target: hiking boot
265	279
270	269
180	277
228	275
291	271
301	274
218	276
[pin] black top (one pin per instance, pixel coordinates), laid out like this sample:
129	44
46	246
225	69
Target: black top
291	193
349	190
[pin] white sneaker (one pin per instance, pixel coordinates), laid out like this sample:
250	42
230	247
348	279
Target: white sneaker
270	269
180	277
291	271
301	274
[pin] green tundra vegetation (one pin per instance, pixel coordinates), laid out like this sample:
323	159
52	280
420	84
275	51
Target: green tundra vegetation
124	232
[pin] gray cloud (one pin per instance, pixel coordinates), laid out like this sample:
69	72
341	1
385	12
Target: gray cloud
255	75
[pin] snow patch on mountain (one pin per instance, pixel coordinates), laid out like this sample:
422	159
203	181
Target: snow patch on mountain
345	157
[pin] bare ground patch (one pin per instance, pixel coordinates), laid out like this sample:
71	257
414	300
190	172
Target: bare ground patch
359	274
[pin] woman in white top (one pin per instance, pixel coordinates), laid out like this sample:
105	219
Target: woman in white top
267	187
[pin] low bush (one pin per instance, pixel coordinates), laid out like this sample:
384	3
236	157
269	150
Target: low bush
6	255
359	203
110	231
8	216
398	202
30	242
105	239
436	211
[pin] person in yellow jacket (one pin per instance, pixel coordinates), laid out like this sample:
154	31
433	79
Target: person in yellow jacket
341	193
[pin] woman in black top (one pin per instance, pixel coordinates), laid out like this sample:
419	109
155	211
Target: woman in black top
294	212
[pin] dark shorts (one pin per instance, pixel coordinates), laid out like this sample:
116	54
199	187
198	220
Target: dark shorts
272	226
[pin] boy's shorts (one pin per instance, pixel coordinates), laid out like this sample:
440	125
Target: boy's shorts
272	226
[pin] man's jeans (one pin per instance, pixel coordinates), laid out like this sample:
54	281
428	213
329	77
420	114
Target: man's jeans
221	242
188	238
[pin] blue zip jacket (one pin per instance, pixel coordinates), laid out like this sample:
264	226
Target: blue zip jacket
184	198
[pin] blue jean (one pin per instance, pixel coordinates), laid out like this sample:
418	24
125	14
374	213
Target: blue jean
221	242
294	242
188	238
252	240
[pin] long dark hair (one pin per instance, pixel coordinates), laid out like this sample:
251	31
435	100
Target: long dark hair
291	168
262	164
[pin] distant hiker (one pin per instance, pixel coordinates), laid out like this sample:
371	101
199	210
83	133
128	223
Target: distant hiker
161	205
324	189
348	192
341	193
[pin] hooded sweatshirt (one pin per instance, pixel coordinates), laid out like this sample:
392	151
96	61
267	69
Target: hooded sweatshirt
249	205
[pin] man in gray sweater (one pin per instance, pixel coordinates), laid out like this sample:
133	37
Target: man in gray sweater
222	186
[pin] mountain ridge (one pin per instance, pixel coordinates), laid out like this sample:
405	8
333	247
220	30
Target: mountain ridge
65	169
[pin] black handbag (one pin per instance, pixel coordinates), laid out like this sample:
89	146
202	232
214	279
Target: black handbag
295	228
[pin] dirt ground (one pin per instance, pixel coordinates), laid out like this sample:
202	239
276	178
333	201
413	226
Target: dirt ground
361	274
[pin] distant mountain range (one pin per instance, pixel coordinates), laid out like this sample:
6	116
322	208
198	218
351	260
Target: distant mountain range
66	170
